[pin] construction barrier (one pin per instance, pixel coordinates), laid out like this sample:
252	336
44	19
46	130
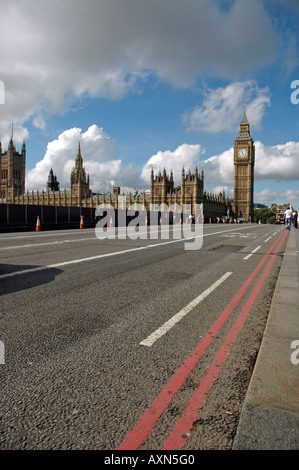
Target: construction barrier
18	217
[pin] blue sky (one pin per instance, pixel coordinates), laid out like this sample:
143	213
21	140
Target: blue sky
148	83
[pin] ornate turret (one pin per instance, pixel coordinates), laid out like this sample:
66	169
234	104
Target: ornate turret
79	160
52	184
79	181
244	132
12	182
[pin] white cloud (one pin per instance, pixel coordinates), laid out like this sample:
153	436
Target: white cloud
98	154
229	192
266	196
221	107
219	169
185	155
279	162
39	122
290	195
64	50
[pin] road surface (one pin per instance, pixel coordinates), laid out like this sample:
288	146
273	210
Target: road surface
131	344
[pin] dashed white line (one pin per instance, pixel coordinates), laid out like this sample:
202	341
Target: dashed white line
151	339
253	251
92	258
44	244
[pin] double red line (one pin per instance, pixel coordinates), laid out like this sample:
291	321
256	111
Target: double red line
179	435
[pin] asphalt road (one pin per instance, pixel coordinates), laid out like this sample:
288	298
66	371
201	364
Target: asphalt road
131	344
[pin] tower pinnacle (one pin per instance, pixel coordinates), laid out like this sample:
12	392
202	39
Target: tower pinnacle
244	119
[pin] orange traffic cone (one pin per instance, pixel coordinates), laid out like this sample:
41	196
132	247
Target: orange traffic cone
146	221
38	227
81	221
111	223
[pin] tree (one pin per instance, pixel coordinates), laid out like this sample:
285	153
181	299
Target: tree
265	215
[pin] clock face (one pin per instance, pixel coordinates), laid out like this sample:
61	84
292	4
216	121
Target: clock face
242	153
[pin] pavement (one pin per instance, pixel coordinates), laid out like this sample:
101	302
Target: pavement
270	414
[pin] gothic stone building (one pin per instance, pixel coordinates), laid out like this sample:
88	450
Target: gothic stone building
79	181
191	190
187	195
12	171
244	158
163	191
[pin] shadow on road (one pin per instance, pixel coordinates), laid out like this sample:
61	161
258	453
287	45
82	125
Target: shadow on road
25	280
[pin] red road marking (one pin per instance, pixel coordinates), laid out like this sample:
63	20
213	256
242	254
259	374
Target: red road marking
141	430
179	435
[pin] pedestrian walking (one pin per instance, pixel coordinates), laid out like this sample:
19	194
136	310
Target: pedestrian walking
288	218
295	219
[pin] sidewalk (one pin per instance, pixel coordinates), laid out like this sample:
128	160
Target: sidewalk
270	414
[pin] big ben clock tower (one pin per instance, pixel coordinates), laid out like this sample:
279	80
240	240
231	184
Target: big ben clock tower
244	154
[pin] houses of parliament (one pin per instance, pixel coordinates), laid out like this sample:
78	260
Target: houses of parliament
163	191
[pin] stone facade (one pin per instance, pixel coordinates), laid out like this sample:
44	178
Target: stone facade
163	192
79	181
244	159
189	193
12	171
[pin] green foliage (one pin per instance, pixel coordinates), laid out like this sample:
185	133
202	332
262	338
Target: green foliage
265	215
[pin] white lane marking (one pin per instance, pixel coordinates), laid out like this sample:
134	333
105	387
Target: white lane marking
44	244
151	339
267	239
92	258
65	263
241	235
76	232
46	234
253	251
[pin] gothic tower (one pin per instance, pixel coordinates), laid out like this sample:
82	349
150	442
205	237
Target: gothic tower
52	184
79	181
244	155
12	171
